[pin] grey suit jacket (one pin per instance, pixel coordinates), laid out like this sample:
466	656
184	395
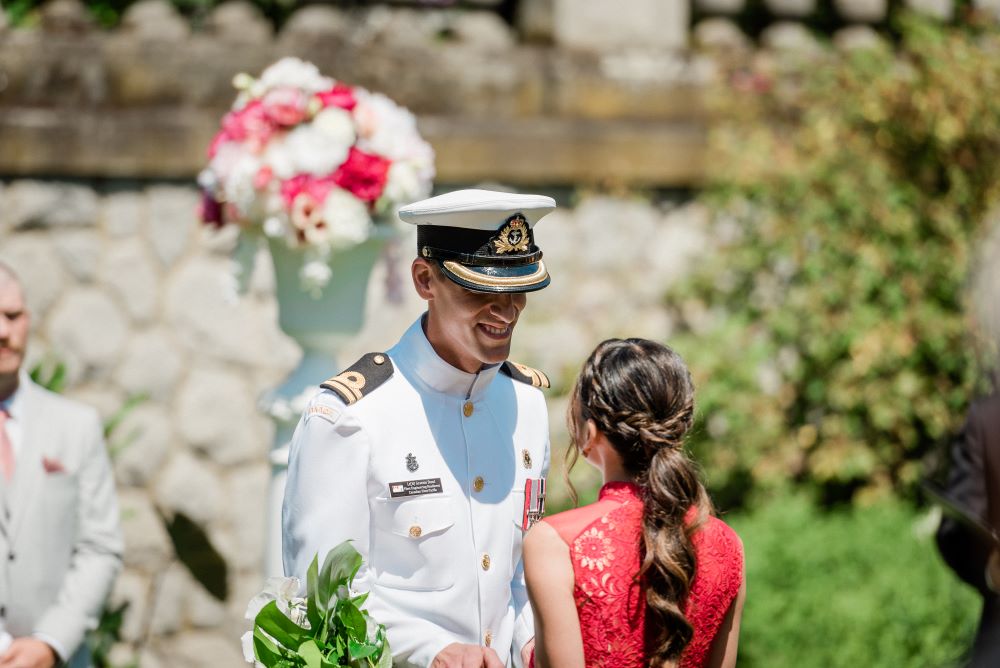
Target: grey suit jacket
60	537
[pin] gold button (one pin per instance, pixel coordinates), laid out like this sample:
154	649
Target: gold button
486	562
379	359
488	638
415	531
478	483
468	408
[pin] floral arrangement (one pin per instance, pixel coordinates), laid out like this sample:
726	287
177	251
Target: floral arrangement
313	161
326	628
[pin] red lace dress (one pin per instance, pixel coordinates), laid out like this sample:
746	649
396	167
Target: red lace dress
604	539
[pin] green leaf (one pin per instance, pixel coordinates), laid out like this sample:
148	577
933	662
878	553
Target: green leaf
353	620
314	611
360	599
264	649
339	568
311	654
361	650
273	622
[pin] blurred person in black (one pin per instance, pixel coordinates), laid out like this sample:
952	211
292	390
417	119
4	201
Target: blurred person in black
974	485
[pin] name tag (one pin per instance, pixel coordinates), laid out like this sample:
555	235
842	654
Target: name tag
415	487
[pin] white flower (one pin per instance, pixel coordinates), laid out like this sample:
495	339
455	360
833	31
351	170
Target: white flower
207	180
403	183
280	590
306	149
246	640
347	219
274	227
296	73
389	130
337	124
314	275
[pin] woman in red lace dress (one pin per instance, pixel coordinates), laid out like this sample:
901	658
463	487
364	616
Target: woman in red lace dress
646	576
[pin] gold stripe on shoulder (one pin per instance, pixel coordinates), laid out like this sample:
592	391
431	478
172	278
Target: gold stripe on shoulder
348	385
537	378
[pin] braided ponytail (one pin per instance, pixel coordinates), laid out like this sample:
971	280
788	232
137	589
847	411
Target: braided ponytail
640	396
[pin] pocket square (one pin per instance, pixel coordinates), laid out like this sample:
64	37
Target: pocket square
52	465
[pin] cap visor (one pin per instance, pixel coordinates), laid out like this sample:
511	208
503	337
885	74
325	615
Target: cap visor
523	278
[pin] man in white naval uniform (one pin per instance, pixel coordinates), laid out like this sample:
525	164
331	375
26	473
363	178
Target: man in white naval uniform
431	456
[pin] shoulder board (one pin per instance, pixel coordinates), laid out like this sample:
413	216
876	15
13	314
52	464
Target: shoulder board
525	374
361	378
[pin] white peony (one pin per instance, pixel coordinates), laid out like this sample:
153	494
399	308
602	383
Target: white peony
347	219
389	130
337	124
237	169
306	150
296	73
404	183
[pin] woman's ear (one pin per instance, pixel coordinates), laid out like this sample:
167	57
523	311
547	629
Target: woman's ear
590	435
423	278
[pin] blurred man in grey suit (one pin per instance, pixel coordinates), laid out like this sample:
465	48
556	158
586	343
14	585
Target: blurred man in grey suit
60	540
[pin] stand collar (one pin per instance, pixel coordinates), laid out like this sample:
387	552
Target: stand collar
416	352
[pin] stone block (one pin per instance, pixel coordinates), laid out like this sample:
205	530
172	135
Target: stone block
989	7
66	16
37	265
315	22
203	610
156	20
727	7
943	10
151	365
190	486
210	320
90	330
80	251
168	603
857	37
131	274
200	649
147	546
141	443
239	21
535	20
862	11
627	24
217	414
104	399
124	212
483	31
133	588
172	220
720	35
248	519
790	36
32	204
795	9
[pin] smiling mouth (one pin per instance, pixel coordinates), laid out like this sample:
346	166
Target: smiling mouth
498	333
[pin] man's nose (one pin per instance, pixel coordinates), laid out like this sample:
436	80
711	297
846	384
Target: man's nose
503	307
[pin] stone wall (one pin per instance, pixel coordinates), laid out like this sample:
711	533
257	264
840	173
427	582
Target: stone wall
137	299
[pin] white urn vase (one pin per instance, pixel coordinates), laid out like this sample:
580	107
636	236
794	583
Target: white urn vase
320	323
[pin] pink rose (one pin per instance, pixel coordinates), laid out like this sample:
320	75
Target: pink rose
339	96
249	124
285	106
218	140
363	175
306	184
263	177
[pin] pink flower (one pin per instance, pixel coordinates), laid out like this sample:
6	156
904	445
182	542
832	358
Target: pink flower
339	96
250	124
307	217
218	140
263	177
362	174
306	184
285	106
210	211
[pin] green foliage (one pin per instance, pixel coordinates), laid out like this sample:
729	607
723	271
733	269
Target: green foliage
857	587
334	630
827	332
108	13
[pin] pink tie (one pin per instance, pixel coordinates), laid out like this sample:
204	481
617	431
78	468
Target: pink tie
6	449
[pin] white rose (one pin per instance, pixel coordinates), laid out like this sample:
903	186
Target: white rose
296	73
389	130
237	185
337	124
404	185
347	219
314	151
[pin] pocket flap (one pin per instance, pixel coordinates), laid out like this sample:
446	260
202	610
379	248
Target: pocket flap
417	518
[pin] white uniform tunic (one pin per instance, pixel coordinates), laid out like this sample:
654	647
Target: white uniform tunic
443	564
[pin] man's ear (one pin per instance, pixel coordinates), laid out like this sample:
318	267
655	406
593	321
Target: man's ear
423	274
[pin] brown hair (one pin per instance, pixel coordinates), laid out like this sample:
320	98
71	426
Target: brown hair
641	397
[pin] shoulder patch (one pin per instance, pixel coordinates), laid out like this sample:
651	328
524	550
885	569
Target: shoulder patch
360	378
525	374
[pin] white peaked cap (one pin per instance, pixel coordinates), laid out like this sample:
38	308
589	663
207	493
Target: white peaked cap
476	209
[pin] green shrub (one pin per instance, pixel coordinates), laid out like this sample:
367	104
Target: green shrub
827	333
857	587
